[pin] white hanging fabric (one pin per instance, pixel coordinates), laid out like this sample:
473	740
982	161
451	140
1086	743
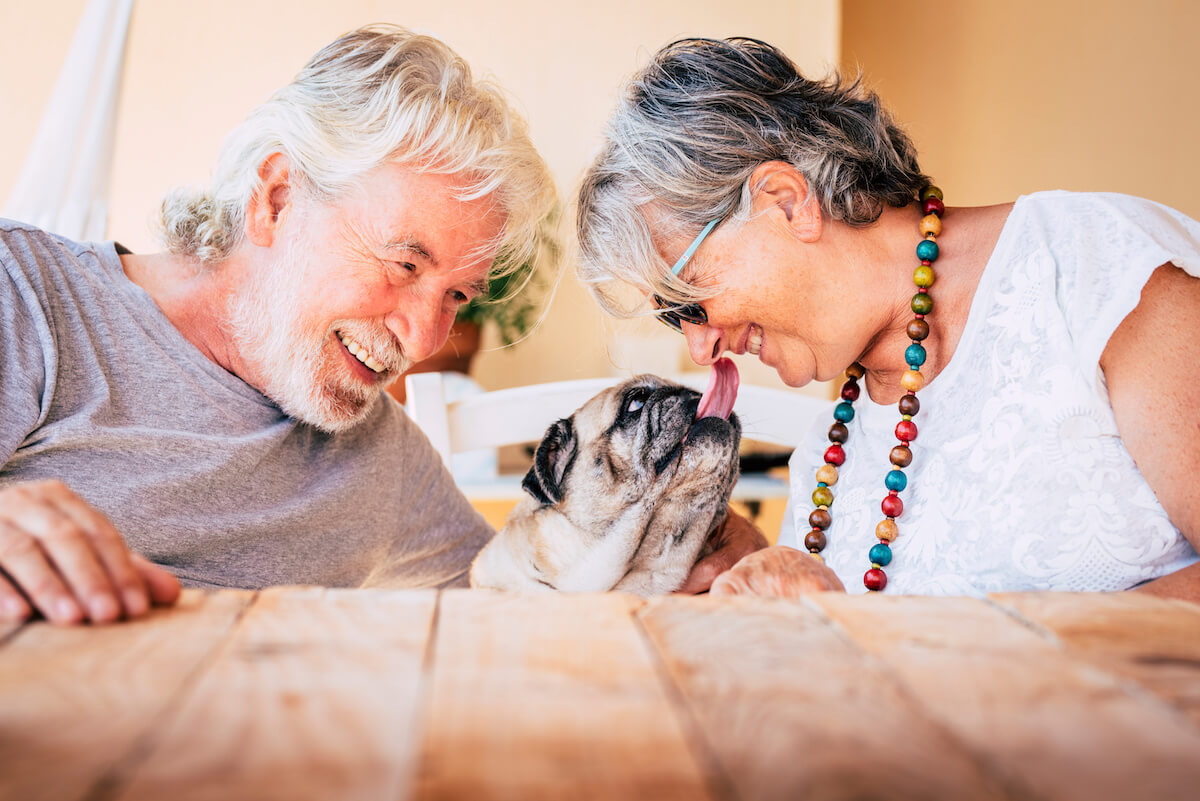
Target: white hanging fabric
64	183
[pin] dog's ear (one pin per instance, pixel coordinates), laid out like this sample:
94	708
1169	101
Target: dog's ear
551	462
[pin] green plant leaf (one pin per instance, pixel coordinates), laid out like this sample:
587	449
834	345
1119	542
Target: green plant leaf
511	307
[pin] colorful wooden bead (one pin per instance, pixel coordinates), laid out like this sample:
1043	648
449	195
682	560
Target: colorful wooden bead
815	540
895	480
931	224
906	431
931	191
901	456
843	412
914	355
933	205
927	250
892	505
921	304
838	432
909	405
827	474
822	496
875	579
887	530
855	371
880	554
835	455
923	276
912	380
820	518
918	330
850	391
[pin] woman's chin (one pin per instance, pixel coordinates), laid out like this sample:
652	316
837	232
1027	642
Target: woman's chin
792	376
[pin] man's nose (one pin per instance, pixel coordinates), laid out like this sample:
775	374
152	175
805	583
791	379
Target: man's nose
421	325
704	343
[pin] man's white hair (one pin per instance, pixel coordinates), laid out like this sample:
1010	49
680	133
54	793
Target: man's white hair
378	94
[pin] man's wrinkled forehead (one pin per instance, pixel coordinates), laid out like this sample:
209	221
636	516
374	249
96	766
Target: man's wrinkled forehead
433	209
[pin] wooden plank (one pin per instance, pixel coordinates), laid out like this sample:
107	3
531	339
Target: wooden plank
74	700
1062	727
551	697
794	711
1153	641
315	697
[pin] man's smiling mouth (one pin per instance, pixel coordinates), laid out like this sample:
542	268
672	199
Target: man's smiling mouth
361	353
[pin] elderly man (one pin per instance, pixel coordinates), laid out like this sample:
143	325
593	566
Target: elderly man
214	414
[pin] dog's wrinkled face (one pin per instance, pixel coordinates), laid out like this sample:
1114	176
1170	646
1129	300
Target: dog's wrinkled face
624	494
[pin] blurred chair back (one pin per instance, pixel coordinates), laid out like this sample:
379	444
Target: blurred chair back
522	414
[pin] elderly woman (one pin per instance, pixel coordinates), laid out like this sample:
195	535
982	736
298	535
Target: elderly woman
1016	432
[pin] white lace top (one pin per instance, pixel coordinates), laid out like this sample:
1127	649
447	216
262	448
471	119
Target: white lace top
1019	480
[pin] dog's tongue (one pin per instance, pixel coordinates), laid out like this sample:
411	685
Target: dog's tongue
717	400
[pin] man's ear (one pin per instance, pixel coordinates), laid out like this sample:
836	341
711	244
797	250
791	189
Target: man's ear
267	206
553	459
777	185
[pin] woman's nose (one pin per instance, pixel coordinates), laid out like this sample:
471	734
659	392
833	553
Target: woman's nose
704	343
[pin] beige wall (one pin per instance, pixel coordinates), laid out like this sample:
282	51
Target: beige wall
1006	98
1002	98
195	69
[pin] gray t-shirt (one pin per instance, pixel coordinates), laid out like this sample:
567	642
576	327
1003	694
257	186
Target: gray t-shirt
199	471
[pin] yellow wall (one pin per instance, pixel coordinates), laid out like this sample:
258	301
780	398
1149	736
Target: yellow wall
1006	98
194	70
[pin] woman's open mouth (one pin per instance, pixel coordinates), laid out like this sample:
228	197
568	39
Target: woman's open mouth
754	341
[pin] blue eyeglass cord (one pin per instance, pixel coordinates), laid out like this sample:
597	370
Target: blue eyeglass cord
687	254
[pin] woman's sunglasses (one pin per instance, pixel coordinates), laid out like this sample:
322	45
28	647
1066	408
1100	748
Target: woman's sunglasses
675	315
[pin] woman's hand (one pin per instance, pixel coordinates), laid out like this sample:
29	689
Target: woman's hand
777	572
733	539
64	558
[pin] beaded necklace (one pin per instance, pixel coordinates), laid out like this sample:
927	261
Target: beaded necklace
880	555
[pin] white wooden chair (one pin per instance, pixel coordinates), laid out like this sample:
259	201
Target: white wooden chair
522	414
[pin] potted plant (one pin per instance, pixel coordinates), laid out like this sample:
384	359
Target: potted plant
511	304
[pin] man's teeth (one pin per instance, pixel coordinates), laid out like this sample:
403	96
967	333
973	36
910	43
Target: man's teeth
361	353
754	343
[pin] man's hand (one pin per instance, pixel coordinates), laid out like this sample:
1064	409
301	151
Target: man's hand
777	572
66	558
732	540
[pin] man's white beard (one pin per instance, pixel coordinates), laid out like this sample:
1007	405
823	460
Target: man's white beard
296	365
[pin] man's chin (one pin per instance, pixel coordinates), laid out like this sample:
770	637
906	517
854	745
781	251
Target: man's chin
333	413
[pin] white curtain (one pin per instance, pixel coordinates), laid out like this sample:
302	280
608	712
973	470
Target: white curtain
63	185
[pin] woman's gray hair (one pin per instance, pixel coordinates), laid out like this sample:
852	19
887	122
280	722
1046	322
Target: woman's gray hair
377	94
690	131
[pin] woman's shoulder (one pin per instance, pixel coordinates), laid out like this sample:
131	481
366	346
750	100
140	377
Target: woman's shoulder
1110	212
1097	236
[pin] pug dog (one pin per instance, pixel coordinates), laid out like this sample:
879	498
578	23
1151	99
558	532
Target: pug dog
623	494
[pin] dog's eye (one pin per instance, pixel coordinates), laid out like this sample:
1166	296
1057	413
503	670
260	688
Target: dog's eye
635	404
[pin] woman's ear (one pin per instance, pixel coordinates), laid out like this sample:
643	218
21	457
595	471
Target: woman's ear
267	206
779	187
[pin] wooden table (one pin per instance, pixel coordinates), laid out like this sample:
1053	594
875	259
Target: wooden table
305	693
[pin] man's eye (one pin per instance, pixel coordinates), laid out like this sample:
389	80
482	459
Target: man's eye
459	297
407	266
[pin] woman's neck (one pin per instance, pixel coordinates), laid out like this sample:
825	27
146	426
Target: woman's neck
969	236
